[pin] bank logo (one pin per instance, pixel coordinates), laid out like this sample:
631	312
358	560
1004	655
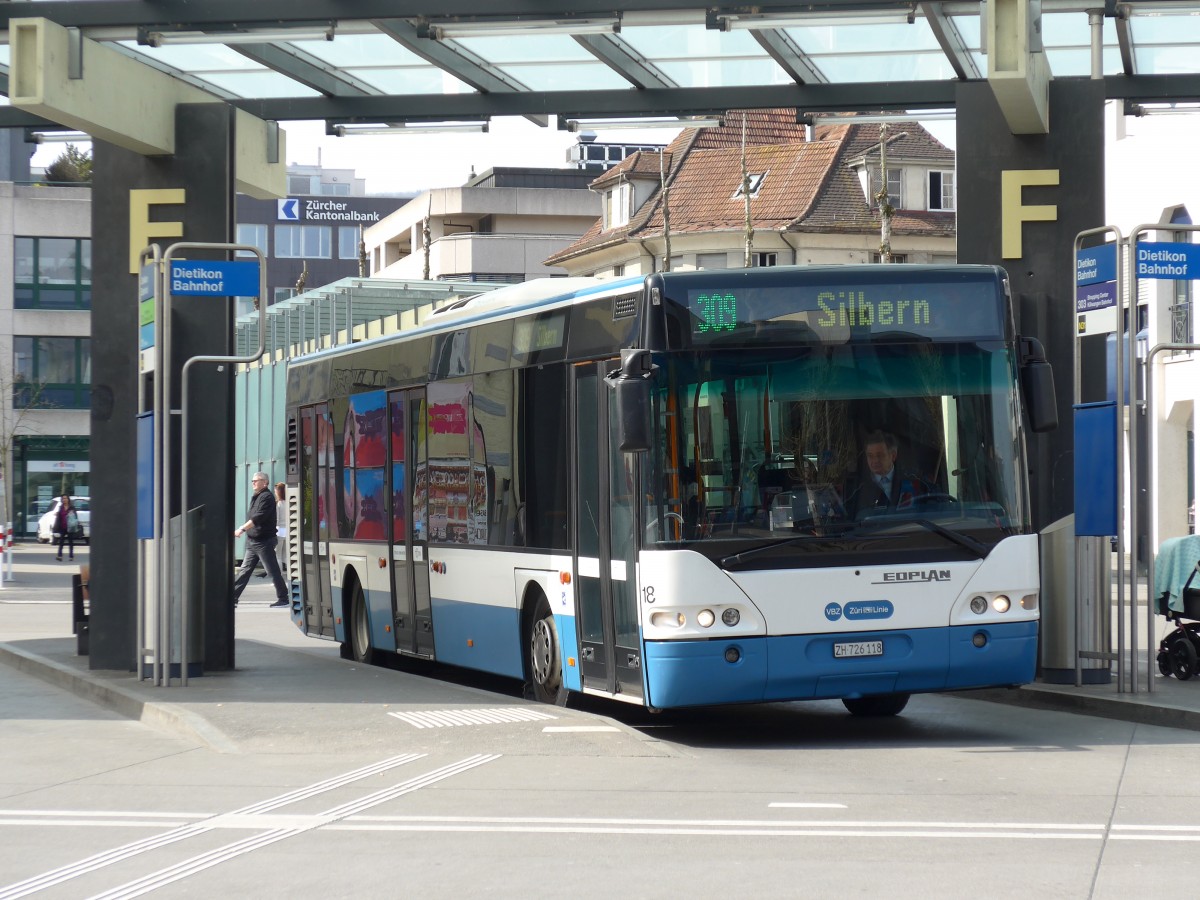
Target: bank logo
289	210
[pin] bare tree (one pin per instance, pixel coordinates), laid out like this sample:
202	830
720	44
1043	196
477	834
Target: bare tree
886	210
19	398
362	254
746	200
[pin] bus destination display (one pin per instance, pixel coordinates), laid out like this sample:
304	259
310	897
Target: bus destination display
944	311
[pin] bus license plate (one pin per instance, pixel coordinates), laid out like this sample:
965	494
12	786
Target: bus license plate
858	648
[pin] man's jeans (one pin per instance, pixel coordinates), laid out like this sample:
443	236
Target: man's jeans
260	551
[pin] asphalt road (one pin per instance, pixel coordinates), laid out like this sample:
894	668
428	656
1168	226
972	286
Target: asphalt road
429	789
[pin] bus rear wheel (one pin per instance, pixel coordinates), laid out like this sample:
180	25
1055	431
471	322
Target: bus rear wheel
876	705
545	658
359	635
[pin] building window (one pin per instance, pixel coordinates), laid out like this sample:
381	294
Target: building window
618	271
52	273
347	242
617	203
764	259
253	236
756	181
301	184
941	190
303	242
896	257
712	261
52	372
894	181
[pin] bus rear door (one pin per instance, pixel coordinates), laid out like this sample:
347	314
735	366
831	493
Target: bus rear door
412	620
605	514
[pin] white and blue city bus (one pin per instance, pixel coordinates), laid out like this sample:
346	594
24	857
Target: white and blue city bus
654	489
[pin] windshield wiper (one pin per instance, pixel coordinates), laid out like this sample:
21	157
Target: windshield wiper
979	548
771	545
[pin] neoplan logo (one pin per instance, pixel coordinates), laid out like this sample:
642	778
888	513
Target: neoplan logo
918	576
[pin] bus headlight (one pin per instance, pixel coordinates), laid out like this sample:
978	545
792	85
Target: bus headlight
1001	603
705	618
978	605
667	619
731	616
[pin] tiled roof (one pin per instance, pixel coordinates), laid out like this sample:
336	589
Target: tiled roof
641	163
808	185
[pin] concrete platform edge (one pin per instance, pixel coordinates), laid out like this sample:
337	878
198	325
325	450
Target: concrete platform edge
163	716
1117	707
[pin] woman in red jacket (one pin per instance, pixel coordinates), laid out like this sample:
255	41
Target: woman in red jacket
66	524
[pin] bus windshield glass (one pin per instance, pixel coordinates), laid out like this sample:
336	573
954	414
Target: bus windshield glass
841	446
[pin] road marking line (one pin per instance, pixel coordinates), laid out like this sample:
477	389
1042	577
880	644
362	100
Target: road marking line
187	867
446	718
807	806
182	832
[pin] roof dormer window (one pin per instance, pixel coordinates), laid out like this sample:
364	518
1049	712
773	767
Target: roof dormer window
755	180
618	204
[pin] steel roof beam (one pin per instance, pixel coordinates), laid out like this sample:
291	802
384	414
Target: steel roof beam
455	60
250	13
621	102
624	60
950	40
304	68
788	56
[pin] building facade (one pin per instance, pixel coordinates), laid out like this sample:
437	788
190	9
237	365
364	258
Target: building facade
314	235
499	227
45	339
814	197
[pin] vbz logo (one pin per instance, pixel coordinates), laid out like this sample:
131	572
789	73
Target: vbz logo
289	210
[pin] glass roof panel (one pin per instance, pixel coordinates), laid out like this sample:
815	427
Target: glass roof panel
968	29
195	58
1178	60
568	77
721	72
4	55
1071	30
902	66
260	84
527	49
361	50
864	38
659	42
1077	61
1178	29
410	80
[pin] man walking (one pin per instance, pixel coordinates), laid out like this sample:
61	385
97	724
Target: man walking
259	529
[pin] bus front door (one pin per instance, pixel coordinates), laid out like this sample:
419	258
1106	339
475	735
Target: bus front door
318	495
411	617
610	656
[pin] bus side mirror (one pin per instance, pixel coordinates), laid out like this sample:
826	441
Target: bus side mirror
1037	386
631	394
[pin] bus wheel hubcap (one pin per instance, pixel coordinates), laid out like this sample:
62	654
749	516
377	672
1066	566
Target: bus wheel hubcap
542	654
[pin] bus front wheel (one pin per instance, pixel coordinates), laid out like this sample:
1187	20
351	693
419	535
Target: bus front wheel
876	705
545	658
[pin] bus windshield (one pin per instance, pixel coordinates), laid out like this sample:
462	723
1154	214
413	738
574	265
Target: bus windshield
846	447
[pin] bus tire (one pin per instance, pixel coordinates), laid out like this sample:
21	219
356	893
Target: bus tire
876	704
358	634
545	657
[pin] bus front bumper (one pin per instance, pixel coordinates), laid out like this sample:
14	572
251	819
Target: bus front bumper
803	667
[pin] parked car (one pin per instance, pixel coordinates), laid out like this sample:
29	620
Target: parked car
46	531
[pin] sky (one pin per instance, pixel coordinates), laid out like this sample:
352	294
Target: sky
1151	167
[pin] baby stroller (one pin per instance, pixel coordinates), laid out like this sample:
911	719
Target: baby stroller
1179	651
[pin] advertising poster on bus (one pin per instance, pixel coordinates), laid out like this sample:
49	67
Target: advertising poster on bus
457	486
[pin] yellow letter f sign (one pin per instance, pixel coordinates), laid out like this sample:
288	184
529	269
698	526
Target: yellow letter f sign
141	230
1013	215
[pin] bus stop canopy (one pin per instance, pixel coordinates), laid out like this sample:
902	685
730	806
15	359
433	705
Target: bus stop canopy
413	63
